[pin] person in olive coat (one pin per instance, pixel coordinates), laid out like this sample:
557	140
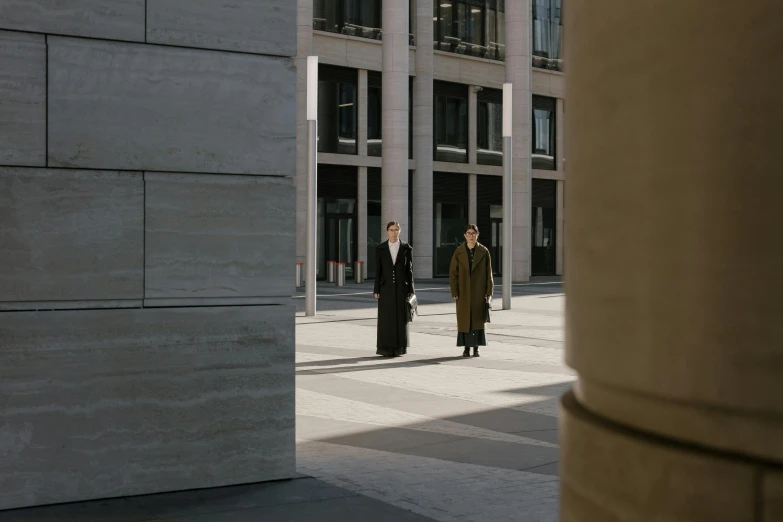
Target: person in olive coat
470	278
393	285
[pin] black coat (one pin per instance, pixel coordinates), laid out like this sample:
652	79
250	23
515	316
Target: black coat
393	282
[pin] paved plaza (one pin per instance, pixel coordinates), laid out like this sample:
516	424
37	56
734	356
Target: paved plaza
427	436
443	436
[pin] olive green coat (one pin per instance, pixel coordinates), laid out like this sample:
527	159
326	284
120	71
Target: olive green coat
471	287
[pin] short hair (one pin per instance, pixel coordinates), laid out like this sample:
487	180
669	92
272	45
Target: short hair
471	227
391	224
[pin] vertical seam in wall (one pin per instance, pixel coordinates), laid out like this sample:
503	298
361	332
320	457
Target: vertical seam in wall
144	239
145	20
758	490
46	103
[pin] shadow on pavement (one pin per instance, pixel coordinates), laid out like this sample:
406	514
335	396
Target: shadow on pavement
383	363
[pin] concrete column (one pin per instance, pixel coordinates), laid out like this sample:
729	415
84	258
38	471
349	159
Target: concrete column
472	198
361	201
674	283
362	127
394	162
518	73
472	123
422	142
304	45
559	134
559	227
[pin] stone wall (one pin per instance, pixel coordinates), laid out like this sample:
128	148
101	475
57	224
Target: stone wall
147	229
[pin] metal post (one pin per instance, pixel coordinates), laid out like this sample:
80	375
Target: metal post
507	223
299	274
312	183
312	203
508	187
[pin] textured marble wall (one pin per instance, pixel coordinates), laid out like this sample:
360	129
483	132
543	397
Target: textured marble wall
267	27
146	246
22	98
104	403
113	19
71	235
146	107
219	236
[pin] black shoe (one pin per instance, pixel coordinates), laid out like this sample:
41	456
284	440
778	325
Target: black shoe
466	353
475	352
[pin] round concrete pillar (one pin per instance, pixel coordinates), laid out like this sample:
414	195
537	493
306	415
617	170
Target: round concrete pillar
674	254
394	115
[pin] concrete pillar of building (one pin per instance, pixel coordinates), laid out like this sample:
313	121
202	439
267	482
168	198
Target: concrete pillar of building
394	163
304	47
361	201
518	73
472	198
362	125
674	260
559	228
473	124
422	142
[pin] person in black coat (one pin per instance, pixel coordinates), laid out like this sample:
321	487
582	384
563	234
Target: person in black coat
393	285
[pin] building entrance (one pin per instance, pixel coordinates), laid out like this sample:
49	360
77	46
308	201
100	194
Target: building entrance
337	218
337	234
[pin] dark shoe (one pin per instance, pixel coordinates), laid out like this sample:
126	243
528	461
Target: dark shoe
475	352
466	353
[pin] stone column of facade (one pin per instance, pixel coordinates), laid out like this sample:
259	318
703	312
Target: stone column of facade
361	201
304	48
677	413
518	73
362	125
422	142
472	123
394	164
472	198
560	228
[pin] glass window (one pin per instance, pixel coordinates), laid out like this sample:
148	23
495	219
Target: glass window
327	15
496	29
543	153
374	128
451	122
547	34
490	127
460	27
350	17
337	110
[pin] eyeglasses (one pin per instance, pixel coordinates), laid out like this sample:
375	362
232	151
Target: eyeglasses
471	233
394	230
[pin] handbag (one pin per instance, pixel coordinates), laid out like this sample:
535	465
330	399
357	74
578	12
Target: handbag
487	308
413	306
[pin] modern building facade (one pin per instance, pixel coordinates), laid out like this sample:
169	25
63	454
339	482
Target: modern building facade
409	128
147	156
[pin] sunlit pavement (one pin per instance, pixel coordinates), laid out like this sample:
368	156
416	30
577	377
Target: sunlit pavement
443	436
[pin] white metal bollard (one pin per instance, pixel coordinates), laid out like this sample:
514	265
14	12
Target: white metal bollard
330	271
